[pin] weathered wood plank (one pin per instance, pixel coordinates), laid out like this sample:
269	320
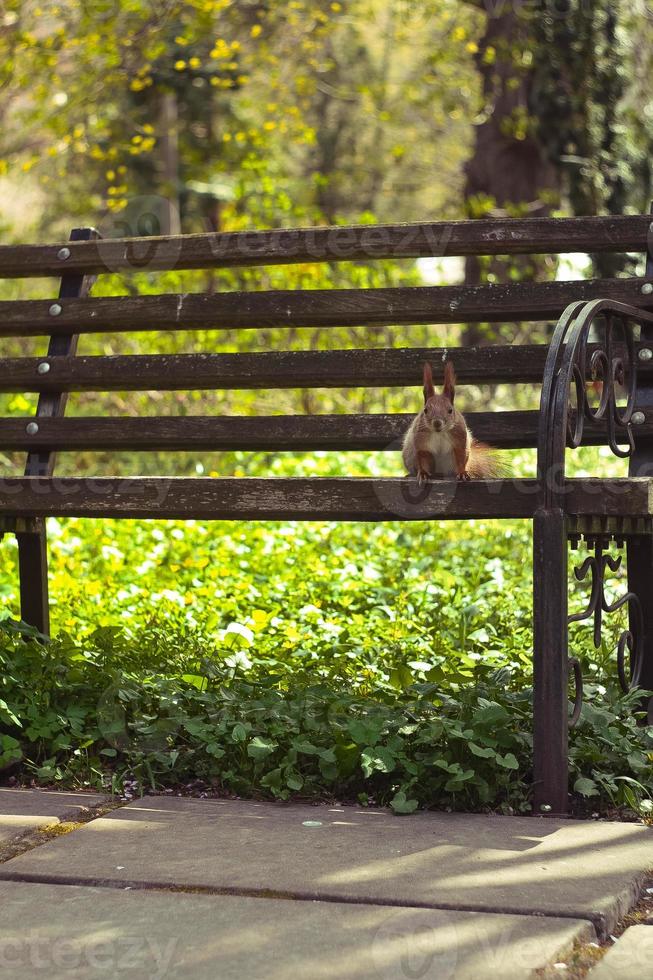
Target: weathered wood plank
360	243
385	367
358	499
505	430
313	307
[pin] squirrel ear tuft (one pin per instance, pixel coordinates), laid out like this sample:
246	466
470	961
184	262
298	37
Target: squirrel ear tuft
449	390
429	390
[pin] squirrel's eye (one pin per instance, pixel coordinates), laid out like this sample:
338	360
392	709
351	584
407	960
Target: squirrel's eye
451	411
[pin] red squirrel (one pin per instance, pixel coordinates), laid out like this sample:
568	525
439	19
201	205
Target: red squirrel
438	442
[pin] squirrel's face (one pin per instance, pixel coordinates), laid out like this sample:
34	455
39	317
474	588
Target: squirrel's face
438	413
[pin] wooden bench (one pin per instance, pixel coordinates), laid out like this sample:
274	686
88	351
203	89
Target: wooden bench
604	332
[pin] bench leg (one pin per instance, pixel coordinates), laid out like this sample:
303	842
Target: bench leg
550	698
33	569
640	581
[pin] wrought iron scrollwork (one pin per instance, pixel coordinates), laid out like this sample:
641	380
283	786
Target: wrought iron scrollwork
592	361
630	641
610	364
592	350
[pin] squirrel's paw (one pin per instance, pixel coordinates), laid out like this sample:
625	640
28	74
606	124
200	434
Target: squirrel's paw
422	477
464	475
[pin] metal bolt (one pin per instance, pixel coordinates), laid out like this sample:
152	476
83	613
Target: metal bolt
55	309
638	418
43	367
63	254
546	807
647	288
31	428
645	354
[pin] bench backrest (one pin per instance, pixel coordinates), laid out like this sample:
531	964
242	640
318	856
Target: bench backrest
75	312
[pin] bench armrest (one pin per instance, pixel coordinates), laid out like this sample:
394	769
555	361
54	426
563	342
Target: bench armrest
610	363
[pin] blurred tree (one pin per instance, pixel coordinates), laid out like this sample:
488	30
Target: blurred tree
557	85
392	110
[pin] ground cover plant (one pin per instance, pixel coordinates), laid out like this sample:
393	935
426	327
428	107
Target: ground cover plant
376	663
392	663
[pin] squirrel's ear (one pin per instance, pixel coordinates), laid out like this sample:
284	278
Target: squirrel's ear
429	390
449	390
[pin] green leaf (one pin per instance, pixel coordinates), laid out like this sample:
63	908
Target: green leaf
365	733
272	780
508	761
196	680
239	732
293	780
379	759
482	753
586	786
305	748
259	748
401	805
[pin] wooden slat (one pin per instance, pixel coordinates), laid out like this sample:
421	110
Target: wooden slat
314	307
360	499
505	430
385	367
360	243
301	432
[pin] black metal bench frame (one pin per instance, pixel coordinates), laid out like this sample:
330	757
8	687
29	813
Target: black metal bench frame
617	355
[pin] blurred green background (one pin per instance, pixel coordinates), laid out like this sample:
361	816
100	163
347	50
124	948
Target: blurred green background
159	118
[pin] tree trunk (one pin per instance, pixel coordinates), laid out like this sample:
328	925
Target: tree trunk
170	220
509	173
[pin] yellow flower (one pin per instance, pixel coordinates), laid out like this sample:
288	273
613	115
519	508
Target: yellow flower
180	65
256	30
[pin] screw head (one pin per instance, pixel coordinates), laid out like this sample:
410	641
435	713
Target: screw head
546	807
638	418
31	428
55	309
63	254
43	368
645	354
647	288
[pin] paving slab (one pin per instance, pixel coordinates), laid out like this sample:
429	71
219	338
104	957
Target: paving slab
581	869
23	810
630	957
66	932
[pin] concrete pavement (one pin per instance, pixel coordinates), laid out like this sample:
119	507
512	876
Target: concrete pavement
216	888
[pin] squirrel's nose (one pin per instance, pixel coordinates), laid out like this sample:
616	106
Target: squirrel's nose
438	425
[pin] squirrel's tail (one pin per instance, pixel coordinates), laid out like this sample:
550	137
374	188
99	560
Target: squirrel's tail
486	463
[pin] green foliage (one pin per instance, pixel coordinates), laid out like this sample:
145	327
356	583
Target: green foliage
384	663
387	664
